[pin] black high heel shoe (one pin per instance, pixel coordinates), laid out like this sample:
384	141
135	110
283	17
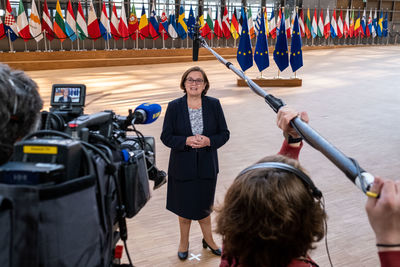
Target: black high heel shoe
217	251
183	255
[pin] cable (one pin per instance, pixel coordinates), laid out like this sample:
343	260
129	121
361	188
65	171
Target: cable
127	254
326	232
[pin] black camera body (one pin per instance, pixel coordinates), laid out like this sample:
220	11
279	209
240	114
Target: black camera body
91	157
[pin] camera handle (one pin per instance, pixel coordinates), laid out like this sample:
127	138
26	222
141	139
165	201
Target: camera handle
348	166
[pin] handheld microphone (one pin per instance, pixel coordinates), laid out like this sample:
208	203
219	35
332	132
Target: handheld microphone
196	41
146	113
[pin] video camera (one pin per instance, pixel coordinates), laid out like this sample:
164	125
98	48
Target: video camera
77	159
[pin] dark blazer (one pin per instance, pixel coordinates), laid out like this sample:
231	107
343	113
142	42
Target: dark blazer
61	100
186	163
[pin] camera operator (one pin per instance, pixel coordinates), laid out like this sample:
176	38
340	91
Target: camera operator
20	106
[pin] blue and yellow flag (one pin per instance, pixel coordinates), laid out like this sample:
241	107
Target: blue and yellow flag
182	27
244	53
379	30
261	53
281	54
296	55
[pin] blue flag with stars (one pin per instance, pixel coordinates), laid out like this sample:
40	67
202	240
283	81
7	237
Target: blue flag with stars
296	55
281	56
191	22
261	53
244	53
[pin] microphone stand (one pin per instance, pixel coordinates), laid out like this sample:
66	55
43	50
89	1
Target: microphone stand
348	166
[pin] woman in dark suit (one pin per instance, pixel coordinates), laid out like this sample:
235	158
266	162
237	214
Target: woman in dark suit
194	128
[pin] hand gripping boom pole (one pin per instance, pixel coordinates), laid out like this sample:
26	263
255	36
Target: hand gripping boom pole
348	166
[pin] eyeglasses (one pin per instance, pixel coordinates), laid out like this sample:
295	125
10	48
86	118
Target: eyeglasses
197	81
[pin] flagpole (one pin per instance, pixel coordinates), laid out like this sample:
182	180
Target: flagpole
9	41
45	41
163	40
153	45
144	43
187	41
123	44
37	47
77	41
137	39
114	46
173	44
61	44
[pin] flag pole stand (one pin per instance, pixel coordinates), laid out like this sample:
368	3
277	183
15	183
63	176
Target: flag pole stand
173	47
93	49
10	43
45	41
144	44
61	44
137	39
163	40
26	49
37	47
72	46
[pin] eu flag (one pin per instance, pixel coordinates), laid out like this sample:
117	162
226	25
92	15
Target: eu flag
261	53
296	55
190	23
281	56
385	26
244	53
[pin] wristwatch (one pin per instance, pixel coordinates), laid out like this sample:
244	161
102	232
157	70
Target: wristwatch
292	140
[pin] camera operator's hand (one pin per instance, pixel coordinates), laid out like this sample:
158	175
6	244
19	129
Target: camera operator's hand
285	115
384	213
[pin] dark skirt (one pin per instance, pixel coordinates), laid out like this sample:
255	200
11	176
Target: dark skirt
191	198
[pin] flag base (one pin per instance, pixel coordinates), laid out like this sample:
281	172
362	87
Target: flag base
274	82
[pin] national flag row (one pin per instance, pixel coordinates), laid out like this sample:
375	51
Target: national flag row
343	27
220	27
281	54
93	28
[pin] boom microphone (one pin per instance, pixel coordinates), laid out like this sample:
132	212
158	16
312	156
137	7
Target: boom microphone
196	41
146	113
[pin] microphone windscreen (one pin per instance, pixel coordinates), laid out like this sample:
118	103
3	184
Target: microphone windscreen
153	111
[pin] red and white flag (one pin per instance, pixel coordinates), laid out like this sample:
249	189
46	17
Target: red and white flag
93	23
123	24
340	25
346	25
47	25
114	23
225	24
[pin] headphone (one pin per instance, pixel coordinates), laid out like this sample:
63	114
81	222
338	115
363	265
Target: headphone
316	193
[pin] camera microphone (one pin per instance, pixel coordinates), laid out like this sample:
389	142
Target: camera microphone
196	41
146	113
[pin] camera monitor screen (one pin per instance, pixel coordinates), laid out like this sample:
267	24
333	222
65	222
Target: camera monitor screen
68	95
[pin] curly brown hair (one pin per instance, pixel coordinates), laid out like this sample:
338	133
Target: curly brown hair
186	73
269	217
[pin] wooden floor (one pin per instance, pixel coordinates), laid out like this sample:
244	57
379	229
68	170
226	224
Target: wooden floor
352	96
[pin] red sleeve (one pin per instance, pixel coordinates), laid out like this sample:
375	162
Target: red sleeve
389	258
290	151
